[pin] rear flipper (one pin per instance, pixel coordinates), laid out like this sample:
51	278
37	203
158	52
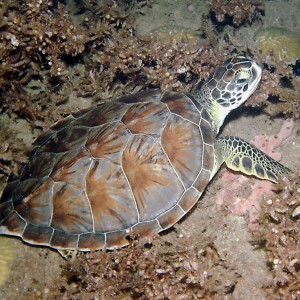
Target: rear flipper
241	156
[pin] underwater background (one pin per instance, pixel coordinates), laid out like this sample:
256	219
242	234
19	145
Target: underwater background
242	239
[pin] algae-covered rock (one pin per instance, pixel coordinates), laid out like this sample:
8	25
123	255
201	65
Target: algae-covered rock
282	43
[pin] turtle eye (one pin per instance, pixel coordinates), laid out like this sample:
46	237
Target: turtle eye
242	77
241	81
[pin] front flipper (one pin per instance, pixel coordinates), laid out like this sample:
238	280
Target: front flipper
241	156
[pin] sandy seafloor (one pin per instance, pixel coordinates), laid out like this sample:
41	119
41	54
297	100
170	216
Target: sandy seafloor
35	269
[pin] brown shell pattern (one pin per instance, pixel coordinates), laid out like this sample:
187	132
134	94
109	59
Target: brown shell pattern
133	166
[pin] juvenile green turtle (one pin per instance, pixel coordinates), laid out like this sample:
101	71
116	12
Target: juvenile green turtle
133	166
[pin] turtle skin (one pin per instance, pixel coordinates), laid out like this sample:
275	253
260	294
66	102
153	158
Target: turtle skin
130	167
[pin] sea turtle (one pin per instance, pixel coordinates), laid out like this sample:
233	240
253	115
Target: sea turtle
132	166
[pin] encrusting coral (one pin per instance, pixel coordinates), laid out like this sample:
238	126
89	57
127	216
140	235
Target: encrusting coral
231	195
274	216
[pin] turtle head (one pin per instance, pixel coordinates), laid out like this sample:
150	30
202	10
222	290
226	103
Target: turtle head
228	87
